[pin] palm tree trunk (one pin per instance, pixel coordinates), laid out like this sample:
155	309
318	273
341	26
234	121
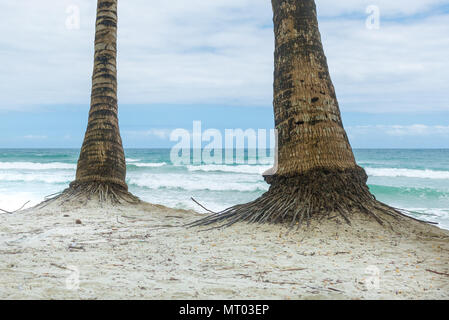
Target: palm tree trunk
306	111
102	158
317	174
101	166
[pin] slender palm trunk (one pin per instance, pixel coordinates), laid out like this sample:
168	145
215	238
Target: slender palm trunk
101	167
102	159
317	174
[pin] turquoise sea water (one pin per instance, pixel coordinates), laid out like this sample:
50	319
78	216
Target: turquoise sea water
416	180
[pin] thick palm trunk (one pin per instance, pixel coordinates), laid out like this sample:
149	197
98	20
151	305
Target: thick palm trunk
316	174
306	111
101	167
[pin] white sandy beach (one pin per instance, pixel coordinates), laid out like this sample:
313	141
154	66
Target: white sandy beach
142	252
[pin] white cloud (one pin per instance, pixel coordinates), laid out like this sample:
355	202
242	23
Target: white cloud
221	52
400	68
417	130
35	137
162	134
389	8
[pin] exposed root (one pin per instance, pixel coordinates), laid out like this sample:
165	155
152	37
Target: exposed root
84	192
202	205
297	200
11	212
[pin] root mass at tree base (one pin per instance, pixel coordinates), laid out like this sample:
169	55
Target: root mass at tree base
296	200
103	192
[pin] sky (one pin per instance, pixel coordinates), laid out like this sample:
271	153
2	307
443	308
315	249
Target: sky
212	60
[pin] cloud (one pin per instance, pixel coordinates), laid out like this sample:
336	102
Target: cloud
391	9
35	137
417	130
221	52
162	134
399	68
416	136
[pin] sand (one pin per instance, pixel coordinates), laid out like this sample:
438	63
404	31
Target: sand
143	252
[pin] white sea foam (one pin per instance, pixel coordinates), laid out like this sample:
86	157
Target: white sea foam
409	173
441	212
149	165
56	177
197	182
36	166
440	215
132	160
248	169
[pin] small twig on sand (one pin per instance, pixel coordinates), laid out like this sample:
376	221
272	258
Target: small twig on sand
281	283
333	289
440	273
293	269
59	266
10	252
299	284
162	226
202	206
11	212
75	247
52	195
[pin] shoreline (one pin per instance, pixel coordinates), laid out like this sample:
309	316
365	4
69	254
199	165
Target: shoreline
419	184
142	252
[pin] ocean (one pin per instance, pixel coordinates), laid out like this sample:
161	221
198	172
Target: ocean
415	180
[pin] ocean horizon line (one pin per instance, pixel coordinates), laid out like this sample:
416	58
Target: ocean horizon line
168	148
